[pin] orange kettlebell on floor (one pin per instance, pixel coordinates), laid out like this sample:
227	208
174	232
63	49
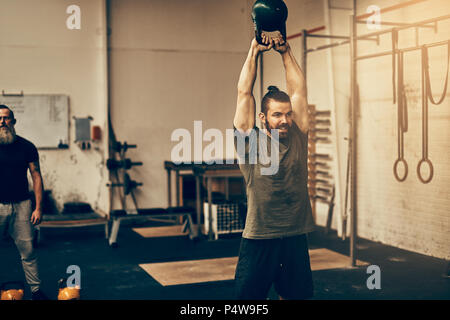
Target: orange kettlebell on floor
12	290
68	293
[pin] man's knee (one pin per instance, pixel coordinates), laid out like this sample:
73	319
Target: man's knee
26	249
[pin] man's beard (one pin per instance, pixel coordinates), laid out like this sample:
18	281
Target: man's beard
281	135
7	135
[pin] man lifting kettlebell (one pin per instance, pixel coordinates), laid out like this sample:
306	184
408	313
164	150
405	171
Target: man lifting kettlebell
274	248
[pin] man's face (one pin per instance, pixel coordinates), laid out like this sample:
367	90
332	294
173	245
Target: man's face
7	131
279	116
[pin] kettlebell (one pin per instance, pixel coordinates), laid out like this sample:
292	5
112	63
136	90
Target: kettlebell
67	293
12	290
269	15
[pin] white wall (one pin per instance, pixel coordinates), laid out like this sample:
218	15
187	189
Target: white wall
40	55
173	62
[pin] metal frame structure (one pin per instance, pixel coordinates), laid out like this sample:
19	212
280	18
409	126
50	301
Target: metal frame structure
352	40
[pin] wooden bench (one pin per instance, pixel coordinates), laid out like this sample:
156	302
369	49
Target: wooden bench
116	216
72	221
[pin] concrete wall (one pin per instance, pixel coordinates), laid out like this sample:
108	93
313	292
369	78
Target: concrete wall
409	215
173	63
40	55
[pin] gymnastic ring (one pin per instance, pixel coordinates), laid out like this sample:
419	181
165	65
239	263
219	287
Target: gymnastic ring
431	170
401	179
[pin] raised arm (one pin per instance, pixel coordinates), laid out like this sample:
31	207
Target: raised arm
296	86
244	118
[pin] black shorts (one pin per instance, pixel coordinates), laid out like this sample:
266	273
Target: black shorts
283	262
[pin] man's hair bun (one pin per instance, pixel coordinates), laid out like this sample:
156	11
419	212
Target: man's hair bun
273	93
273	89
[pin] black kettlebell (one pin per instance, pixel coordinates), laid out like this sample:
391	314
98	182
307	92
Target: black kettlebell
269	15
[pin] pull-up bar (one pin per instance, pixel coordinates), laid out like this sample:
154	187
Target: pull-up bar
391	8
410	25
385	53
361	17
308	31
405	26
369	36
395	24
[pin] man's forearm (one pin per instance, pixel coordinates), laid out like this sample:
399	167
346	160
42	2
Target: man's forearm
296	87
38	190
295	79
248	74
244	118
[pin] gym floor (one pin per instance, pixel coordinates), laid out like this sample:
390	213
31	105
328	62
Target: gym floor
120	273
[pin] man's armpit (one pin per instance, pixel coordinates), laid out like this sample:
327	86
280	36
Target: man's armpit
245	143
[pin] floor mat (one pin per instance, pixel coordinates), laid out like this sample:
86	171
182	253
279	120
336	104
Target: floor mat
157	232
220	269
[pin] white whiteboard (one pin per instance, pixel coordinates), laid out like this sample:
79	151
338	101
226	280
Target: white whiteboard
42	119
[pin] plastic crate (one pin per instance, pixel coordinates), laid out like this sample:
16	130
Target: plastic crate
227	217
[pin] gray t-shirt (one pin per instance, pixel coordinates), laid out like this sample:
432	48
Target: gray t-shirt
278	204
